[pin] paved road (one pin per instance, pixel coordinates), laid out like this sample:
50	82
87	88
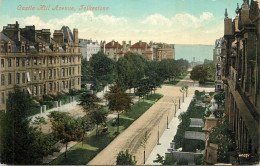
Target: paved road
150	121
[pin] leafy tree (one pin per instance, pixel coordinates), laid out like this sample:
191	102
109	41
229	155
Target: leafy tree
144	142
102	70
18	142
199	73
169	159
39	121
88	101
118	101
65	128
124	158
98	116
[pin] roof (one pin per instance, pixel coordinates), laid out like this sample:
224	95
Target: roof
116	45
128	53
142	46
121	52
148	52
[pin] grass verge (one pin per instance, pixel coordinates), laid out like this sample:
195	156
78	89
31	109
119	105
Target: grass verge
82	153
176	80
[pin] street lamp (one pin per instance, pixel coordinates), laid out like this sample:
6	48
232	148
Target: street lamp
179	102
158	137
167	120
175	103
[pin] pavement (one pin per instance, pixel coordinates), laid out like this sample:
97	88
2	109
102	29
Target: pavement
168	134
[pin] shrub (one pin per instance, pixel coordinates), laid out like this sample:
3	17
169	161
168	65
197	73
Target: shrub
124	158
182	161
199	159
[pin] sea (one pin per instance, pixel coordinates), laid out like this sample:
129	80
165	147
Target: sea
194	53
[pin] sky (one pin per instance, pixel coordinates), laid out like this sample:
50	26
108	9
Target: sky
168	21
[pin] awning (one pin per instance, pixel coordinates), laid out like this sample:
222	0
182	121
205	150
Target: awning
29	91
28	77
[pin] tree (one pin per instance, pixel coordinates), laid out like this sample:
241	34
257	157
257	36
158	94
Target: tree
124	158
220	97
98	116
144	142
88	101
18	142
63	128
118	101
39	121
102	70
199	73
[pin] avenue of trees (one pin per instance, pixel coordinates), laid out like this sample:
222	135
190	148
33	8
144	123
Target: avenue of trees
204	73
131	71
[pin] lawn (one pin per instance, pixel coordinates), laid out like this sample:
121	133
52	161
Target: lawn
176	80
82	153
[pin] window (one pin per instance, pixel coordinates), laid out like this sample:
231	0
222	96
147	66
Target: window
69	71
2	63
63	84
9	78
78	58
78	81
73	70
17	78
78	69
67	84
23	49
43	75
3	98
17	62
50	60
54	87
23	78
63	59
23	62
50	86
57	86
34	75
40	90
35	90
63	72
73	59
58	72
70	59
54	60
9	48
67	60
9	62
44	60
73	82
40	61
2	48
50	74
2	79
28	62
79	50
35	60
40	75
54	73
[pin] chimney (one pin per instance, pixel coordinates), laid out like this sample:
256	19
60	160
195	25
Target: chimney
75	36
104	43
46	35
12	31
130	43
124	45
113	42
140	42
58	36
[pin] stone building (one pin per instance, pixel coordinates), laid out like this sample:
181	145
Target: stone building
217	62
163	51
113	49
88	48
143	49
38	64
241	77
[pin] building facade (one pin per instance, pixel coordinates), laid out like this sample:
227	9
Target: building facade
163	51
89	48
241	77
38	64
114	50
217	62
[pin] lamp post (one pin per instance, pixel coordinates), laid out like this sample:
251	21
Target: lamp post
179	102
175	103
158	136
167	120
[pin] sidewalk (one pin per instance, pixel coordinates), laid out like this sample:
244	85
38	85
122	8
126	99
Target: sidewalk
168	135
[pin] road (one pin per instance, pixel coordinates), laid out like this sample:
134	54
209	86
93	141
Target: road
150	121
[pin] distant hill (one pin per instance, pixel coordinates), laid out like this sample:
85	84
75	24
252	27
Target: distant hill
200	52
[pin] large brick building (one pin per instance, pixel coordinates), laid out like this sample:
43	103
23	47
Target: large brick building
37	63
241	76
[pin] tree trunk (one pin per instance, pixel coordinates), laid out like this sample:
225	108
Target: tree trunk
97	130
66	150
186	92
144	156
118	122
183	96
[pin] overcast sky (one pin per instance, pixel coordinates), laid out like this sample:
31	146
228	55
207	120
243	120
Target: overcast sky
170	21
